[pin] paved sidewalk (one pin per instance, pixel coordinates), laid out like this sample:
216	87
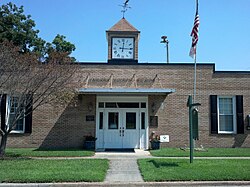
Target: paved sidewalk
123	170
123	166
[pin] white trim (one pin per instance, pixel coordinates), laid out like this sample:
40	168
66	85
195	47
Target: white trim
7	114
100	133
234	115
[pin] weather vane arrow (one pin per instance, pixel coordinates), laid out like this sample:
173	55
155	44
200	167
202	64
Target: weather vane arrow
124	7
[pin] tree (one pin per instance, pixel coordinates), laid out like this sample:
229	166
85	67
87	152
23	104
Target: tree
26	84
18	28
33	72
59	44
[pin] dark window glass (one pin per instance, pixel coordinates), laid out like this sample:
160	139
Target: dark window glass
131	120
143	120
16	107
101	105
122	105
113	120
128	105
143	105
101	120
110	105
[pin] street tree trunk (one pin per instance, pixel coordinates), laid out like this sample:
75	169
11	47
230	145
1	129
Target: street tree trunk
3	145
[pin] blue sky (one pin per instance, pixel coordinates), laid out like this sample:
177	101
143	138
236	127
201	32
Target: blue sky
224	36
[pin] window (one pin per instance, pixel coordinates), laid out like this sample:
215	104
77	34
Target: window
16	109
101	120
143	120
113	119
121	105
226	114
130	120
227	117
10	108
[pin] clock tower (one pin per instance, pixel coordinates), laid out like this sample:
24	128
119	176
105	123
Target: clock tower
123	43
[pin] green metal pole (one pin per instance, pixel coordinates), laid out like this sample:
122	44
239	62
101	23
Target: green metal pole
191	142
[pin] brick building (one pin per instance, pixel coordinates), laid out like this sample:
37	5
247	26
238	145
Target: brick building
122	101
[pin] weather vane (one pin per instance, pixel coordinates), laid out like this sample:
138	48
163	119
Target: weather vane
125	7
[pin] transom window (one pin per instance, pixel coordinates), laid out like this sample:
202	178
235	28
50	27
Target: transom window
121	105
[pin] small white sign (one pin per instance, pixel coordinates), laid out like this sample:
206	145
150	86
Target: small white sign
164	138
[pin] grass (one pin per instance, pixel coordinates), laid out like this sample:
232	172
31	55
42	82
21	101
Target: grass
211	152
200	170
76	170
32	152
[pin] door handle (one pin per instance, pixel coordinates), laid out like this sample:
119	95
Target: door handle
122	131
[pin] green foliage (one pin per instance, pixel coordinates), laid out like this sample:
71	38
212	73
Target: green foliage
61	45
32	152
200	170
76	170
18	28
210	152
15	26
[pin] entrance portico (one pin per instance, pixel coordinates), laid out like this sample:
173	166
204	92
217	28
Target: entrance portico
122	116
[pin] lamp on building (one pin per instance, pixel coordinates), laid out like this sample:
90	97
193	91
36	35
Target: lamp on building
165	41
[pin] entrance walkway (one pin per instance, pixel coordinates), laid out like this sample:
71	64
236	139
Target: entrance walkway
123	166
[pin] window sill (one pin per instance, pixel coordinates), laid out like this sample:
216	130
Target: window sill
224	132
17	132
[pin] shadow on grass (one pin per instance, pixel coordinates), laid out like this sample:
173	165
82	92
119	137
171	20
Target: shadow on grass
54	149
159	164
13	156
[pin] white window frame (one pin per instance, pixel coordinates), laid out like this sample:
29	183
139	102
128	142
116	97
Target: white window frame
8	113
234	115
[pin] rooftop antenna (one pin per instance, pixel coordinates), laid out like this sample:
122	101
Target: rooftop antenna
125	7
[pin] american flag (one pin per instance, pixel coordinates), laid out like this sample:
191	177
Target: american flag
194	35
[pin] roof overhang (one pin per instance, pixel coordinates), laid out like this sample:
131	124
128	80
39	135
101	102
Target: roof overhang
126	91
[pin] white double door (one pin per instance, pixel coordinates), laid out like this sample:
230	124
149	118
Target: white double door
122	128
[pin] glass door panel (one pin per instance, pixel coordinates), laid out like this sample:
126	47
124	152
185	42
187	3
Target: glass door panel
113	120
130	120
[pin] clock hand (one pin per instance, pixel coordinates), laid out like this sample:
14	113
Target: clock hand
122	46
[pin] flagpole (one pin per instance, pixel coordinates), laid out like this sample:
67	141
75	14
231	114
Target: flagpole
193	54
195	68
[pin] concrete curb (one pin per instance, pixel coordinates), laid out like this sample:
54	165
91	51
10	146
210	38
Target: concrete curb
130	184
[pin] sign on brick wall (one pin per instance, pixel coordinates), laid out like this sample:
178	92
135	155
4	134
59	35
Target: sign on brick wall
153	121
90	118
164	138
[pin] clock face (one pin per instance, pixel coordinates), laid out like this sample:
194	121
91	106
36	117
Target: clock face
123	48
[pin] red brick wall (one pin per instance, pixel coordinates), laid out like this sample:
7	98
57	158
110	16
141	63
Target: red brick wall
67	126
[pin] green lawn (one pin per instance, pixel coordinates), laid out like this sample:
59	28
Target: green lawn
200	170
29	170
211	152
32	152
